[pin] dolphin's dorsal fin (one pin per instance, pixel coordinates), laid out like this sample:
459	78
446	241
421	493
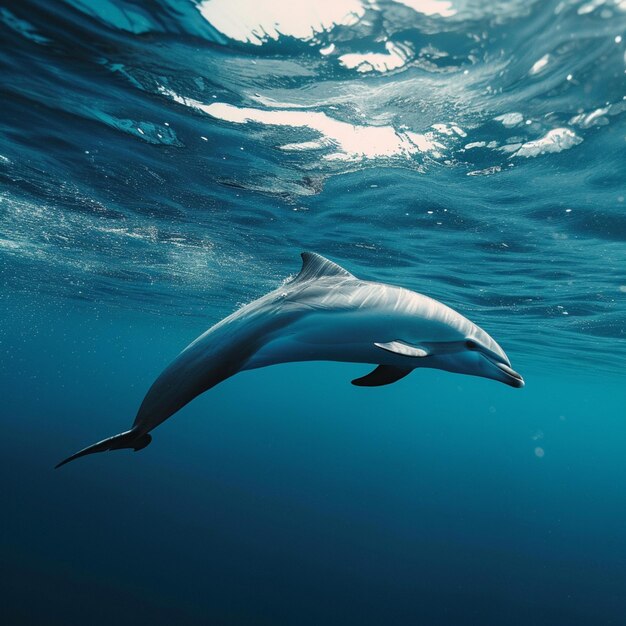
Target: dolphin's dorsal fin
316	266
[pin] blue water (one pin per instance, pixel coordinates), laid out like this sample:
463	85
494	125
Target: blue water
163	162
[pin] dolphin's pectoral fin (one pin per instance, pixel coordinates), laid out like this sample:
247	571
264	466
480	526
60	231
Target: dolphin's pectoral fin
382	375
405	349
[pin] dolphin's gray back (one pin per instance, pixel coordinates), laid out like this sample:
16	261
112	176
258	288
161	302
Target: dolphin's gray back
324	313
213	357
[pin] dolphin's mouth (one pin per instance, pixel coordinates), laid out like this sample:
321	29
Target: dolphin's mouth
512	377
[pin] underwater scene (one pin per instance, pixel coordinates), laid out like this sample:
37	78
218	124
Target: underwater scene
454	172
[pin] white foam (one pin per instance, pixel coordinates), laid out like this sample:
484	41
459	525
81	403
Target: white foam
449	130
475	144
556	140
488	171
509	120
595	118
257	21
396	56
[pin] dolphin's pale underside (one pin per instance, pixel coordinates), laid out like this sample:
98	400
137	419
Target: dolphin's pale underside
323	314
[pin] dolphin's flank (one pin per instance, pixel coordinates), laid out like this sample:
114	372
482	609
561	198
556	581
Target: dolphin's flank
323	314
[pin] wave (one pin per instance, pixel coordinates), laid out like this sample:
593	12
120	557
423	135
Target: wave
176	156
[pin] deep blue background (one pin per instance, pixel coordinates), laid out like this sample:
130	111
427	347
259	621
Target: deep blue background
288	496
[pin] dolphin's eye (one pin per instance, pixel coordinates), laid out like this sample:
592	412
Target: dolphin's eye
471	345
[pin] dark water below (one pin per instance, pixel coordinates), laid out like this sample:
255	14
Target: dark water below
164	161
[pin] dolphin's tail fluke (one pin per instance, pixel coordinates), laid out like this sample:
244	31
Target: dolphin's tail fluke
128	439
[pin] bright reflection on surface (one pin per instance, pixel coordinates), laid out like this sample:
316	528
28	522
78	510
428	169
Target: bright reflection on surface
430	7
256	21
556	140
351	141
396	56
540	65
510	120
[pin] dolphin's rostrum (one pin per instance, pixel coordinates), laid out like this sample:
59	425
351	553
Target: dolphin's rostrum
323	314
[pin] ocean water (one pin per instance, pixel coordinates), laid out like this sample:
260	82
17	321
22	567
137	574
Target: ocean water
163	162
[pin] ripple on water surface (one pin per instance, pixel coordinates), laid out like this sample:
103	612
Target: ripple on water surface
186	154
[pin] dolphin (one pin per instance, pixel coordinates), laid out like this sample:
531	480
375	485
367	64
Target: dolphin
323	314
